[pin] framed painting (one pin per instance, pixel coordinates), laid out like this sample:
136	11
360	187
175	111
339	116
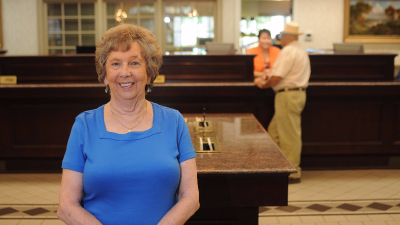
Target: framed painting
1	29
371	21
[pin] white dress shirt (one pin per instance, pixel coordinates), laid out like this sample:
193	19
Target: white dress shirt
293	66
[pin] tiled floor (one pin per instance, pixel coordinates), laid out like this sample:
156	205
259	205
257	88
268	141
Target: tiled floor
341	197
355	197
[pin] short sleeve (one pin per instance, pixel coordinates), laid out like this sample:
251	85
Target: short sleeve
74	158
283	63
185	145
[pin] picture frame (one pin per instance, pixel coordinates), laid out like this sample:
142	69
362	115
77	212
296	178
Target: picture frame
1	29
371	21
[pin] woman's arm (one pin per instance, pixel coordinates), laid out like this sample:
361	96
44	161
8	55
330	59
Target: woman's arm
188	197
262	82
266	72
69	210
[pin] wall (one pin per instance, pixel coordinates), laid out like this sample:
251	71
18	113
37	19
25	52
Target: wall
325	19
21	31
230	14
20	27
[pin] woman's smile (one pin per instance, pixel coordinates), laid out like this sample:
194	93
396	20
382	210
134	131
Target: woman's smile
126	85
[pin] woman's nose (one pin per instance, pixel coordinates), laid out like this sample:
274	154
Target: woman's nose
125	72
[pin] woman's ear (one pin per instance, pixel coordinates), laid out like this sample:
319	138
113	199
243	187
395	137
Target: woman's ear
148	80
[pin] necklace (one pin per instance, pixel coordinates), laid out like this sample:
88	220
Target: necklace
129	129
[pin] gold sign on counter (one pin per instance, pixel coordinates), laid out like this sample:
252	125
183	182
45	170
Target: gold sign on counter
8	79
160	79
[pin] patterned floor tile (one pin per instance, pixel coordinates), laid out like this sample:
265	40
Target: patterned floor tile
288	208
7	210
28	211
36	211
349	207
379	206
319	208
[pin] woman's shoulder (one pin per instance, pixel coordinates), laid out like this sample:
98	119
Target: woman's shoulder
166	113
164	109
253	50
90	115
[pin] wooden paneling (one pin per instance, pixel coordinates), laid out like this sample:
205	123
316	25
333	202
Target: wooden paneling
352	67
41	130
49	69
340	121
345	124
396	134
207	68
81	68
328	127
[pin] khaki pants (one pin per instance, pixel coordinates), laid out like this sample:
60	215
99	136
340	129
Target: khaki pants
285	126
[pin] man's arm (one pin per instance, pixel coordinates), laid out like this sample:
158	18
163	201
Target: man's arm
263	82
266	72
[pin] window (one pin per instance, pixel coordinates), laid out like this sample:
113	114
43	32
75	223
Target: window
249	28
137	13
178	25
257	15
69	25
188	24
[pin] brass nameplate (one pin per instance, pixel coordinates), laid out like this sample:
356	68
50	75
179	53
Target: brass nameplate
203	135
160	79
8	79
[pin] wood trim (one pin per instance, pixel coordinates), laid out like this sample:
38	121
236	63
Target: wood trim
69	1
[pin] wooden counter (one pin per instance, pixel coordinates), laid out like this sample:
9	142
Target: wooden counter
345	124
350	123
249	172
56	69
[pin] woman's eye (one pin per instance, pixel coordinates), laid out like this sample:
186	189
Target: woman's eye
115	64
134	63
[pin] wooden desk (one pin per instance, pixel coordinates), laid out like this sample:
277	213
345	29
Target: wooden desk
249	172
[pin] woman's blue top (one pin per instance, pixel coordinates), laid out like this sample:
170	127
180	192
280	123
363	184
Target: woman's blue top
129	178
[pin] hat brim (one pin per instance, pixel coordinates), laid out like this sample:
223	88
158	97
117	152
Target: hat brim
292	33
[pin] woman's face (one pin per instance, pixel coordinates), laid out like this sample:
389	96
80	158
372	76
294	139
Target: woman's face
126	74
265	40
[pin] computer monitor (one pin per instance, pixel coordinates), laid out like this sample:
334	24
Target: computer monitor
214	47
85	49
201	42
351	48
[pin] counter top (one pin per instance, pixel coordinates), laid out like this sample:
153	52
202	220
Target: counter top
245	147
203	84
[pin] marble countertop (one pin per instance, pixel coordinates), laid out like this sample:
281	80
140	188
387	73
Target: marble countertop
245	147
204	84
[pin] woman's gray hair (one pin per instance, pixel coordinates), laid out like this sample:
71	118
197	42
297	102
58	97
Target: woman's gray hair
120	38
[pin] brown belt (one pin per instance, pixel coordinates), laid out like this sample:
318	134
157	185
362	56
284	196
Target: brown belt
291	89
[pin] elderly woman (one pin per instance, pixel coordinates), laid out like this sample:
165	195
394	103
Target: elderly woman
129	161
265	54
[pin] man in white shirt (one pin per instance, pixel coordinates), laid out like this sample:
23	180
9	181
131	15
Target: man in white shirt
289	81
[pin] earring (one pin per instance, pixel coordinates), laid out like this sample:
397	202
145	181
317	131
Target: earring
148	88
107	89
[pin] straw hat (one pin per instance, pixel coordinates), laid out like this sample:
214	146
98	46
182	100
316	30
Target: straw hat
292	28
